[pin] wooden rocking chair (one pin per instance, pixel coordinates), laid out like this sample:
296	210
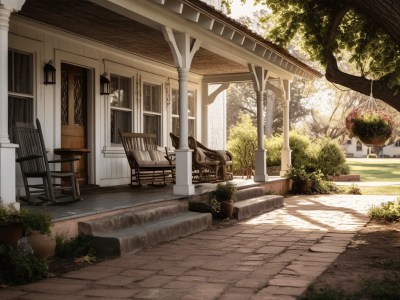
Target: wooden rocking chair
32	157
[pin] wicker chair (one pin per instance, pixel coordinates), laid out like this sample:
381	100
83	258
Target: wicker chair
226	161
32	157
204	167
175	140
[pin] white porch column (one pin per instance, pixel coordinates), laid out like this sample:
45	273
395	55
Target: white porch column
286	156
260	76
7	150
208	99
183	51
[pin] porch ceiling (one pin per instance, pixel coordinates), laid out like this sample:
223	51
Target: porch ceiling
97	23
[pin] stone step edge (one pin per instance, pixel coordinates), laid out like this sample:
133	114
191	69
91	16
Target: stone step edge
131	240
248	208
249	193
129	218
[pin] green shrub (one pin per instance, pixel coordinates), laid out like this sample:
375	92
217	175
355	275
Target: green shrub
274	148
243	144
318	185
322	186
326	155
354	190
303	151
38	221
344	169
298	174
388	211
74	248
225	191
30	220
330	157
19	266
9	214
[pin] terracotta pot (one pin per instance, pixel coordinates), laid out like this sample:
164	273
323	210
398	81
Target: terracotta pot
11	233
43	245
225	209
302	187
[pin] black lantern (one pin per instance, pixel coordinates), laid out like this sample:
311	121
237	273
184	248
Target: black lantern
104	84
49	73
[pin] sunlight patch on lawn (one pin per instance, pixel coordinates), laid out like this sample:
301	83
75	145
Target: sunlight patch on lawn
375	169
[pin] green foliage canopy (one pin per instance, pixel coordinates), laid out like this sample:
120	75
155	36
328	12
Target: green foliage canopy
365	33
368	46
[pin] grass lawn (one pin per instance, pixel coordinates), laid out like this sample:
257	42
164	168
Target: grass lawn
380	190
375	169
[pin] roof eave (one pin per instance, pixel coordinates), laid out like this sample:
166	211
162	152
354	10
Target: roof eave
208	18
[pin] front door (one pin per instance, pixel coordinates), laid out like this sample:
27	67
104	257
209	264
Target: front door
74	116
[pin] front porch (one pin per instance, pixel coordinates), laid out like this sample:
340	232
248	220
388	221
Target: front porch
167	61
107	201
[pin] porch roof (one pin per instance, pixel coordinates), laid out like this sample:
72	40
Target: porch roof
135	26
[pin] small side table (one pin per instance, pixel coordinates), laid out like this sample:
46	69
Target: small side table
80	165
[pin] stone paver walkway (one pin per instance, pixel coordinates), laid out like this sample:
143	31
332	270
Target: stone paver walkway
273	256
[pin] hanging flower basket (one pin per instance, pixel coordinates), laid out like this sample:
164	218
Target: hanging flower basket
372	127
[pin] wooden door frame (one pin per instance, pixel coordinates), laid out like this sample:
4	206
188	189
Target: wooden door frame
92	67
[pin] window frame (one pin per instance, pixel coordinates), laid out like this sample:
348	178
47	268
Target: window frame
358	146
14	47
154	80
129	109
115	69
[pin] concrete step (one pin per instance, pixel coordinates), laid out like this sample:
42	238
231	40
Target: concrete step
248	208
134	238
129	218
247	193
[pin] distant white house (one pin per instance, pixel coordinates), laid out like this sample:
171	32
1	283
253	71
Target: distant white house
392	150
354	148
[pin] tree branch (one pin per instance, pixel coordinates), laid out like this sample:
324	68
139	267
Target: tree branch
357	83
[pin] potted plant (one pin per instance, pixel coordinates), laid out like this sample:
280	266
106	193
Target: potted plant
372	127
301	180
224	194
37	227
11	227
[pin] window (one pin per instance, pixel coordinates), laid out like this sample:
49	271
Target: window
121	106
20	89
349	142
359	146
397	144
191	112
152	103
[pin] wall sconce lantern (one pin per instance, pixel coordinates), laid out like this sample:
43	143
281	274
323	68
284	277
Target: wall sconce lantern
49	73
104	84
